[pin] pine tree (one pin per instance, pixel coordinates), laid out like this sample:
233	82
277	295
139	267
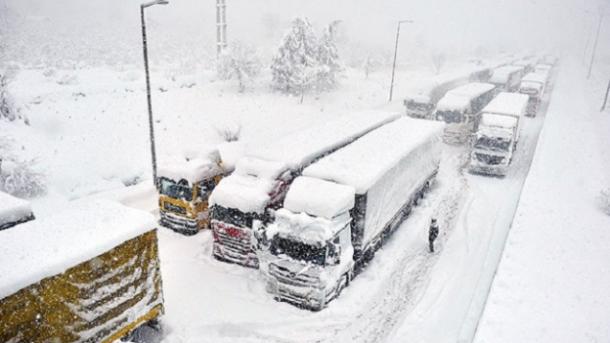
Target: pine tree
294	68
328	57
239	62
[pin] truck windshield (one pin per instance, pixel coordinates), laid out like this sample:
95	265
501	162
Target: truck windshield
232	216
449	116
180	190
492	143
298	250
418	106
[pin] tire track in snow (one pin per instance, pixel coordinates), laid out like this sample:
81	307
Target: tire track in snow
407	282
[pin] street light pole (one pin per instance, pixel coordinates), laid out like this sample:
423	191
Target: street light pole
148	96
395	54
599	26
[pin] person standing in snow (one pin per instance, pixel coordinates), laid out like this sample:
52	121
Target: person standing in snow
432	234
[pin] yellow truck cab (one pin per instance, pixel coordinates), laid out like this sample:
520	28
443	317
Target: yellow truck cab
184	188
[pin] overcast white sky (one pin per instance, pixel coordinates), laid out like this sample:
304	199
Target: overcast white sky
459	26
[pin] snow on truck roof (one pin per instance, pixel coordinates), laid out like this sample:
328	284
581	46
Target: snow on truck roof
535	77
459	98
329	199
301	148
500	75
13	209
507	103
49	246
424	90
248	188
201	166
363	162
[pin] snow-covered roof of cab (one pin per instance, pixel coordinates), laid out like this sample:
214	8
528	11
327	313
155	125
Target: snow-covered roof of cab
13	210
498	121
507	103
302	147
500	75
319	198
197	167
535	77
48	246
362	163
458	99
248	188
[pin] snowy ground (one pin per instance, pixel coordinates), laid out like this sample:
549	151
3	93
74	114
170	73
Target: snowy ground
552	284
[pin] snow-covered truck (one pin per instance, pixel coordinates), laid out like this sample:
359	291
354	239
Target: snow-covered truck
507	78
185	185
14	211
87	274
460	109
343	209
421	100
245	201
533	85
498	134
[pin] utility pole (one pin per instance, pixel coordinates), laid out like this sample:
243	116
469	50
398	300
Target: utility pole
221	26
395	54
599	26
148	95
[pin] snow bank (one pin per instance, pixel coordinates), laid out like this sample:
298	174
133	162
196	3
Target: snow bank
197	166
362	163
508	103
553	280
13	209
319	198
49	246
302	147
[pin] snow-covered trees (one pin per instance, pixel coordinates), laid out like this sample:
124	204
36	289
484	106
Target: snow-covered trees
303	61
239	62
328	59
18	177
295	66
7	107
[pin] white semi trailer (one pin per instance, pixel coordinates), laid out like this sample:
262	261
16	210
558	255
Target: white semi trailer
246	200
498	133
344	207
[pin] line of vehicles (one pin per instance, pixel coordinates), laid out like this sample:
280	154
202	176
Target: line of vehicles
310	209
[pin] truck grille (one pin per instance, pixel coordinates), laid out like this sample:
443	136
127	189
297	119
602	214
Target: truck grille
489	159
233	244
285	276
